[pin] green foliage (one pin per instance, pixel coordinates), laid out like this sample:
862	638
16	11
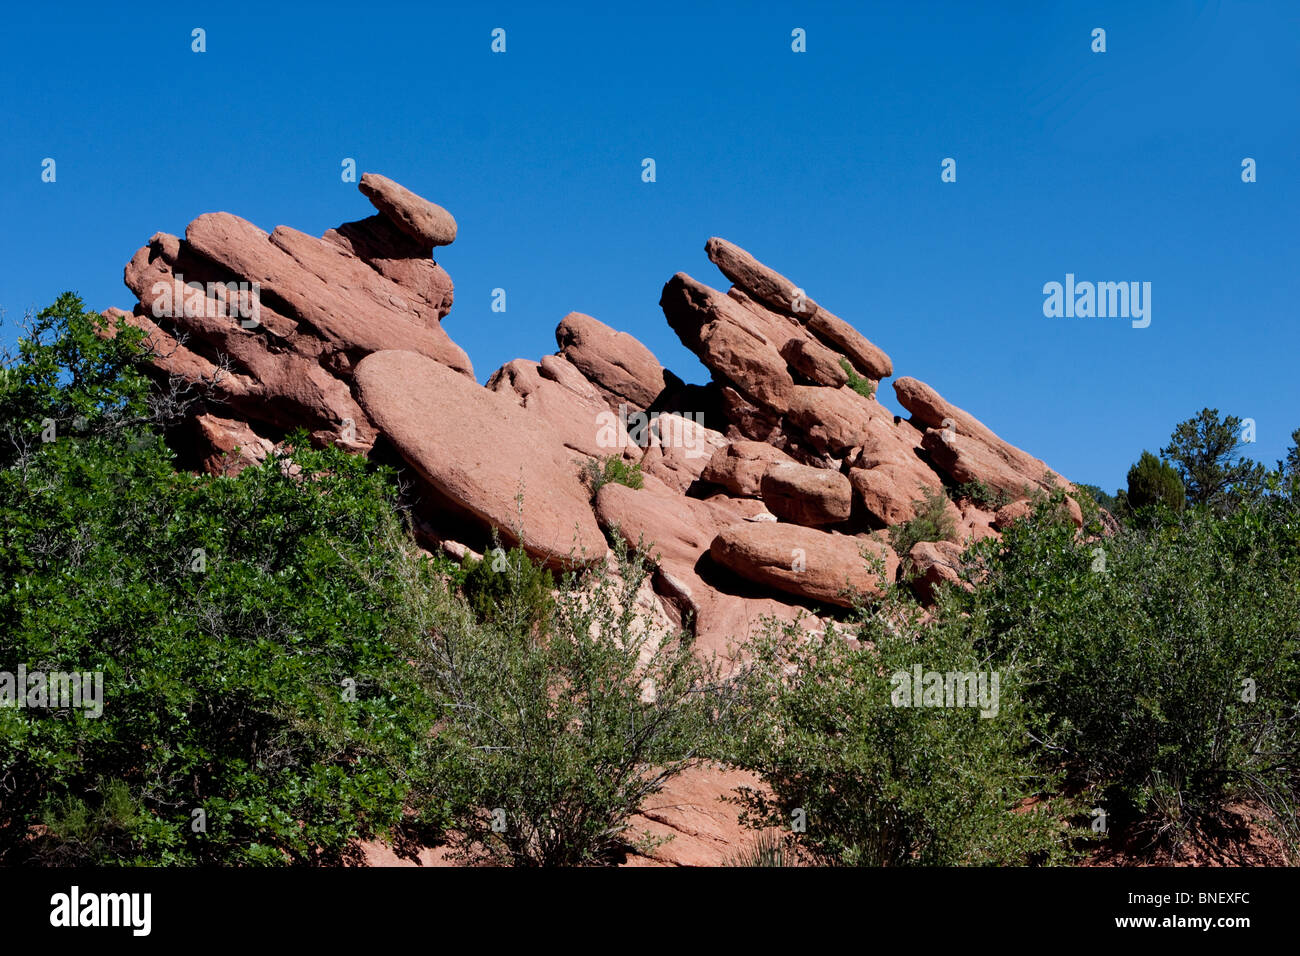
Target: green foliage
767	849
65	375
1136	650
611	468
1101	498
1157	668
508	585
1206	450
229	618
85	827
877	784
1289	467
553	740
932	522
1153	482
981	495
863	386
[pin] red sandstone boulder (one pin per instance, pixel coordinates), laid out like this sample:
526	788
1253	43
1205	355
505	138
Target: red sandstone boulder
621	367
740	466
931	410
679	449
673	529
803	561
232	445
870	360
835	420
806	495
578	415
815	361
762	283
395	256
933	564
479	450
425	222
728	341
1010	513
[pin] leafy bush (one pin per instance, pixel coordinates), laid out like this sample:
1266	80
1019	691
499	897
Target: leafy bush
932	522
877	784
65	379
554	739
981	495
252	645
1162	662
490	585
611	468
249	631
863	386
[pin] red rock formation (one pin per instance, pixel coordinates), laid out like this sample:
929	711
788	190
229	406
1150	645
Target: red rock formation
346	340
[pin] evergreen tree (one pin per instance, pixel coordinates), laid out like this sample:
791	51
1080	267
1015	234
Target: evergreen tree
1153	481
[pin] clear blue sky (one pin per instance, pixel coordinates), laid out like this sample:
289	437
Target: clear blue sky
1122	166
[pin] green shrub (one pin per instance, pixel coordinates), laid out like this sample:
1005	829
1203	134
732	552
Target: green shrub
875	784
1137	649
932	522
252	644
508	587
981	495
863	386
553	740
611	468
250	632
1101	498
1154	483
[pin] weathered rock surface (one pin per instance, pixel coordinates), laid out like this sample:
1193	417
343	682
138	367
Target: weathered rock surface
679	449
764	284
427	223
933	564
740	466
479	450
677	533
233	445
976	453
578	414
806	495
839	335
616	363
777	292
812	564
815	361
1010	513
727	340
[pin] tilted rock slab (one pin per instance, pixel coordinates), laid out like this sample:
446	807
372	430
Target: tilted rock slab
426	222
616	363
776	291
728	341
479	450
812	564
